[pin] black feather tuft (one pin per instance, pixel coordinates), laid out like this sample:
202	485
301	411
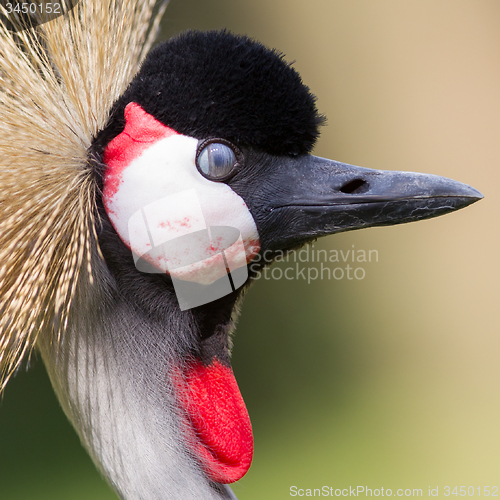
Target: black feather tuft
217	84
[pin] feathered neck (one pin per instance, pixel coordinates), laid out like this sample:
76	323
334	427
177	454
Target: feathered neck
112	374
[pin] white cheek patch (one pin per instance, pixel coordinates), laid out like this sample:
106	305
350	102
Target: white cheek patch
171	216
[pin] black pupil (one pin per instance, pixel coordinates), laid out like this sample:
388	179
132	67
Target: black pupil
216	157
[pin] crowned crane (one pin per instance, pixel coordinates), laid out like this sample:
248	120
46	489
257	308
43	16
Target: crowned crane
131	210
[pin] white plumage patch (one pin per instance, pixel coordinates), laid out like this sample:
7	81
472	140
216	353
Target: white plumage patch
166	212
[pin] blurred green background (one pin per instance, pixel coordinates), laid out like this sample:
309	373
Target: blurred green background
391	381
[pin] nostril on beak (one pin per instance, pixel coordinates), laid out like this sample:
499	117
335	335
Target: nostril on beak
355	186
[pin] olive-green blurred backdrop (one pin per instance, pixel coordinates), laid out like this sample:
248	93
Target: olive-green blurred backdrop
391	381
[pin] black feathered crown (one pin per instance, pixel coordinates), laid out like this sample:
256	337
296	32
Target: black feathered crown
217	84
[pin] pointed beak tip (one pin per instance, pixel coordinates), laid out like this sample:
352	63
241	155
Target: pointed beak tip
470	193
477	195
443	187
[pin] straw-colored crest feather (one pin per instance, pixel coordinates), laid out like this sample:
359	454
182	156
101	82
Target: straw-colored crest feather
57	85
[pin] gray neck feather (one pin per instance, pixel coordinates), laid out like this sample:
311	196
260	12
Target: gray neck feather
110	373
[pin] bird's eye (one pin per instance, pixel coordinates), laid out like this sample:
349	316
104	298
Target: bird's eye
216	161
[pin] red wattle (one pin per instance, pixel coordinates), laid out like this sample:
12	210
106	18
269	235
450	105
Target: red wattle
219	429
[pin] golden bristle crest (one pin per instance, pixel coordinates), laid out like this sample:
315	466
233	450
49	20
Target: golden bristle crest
57	85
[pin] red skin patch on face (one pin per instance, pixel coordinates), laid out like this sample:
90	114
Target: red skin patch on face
141	131
217	426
